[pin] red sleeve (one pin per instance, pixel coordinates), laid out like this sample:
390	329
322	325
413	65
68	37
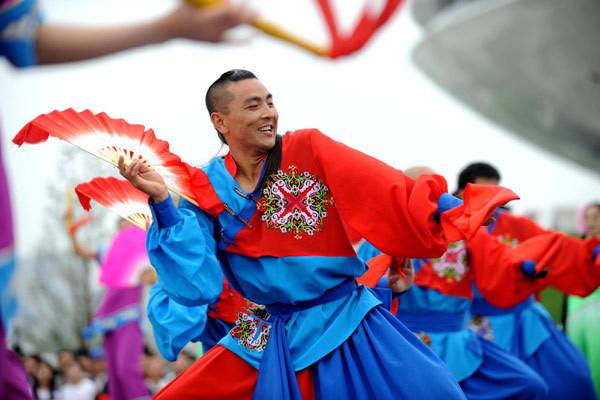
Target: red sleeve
392	211
573	271
497	266
518	227
570	270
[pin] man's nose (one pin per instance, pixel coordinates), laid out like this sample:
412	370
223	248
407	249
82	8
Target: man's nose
268	112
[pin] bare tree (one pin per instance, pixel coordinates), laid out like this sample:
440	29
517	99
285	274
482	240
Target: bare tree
58	291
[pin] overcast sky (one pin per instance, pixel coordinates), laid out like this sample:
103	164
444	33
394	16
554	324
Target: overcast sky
376	101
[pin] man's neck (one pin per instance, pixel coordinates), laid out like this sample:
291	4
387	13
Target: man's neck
249	167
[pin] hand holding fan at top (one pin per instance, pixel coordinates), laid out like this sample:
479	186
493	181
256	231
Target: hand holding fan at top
144	178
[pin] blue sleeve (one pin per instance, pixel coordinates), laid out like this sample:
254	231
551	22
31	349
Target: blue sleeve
174	325
18	27
182	249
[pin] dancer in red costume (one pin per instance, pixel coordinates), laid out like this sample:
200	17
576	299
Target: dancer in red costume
527	330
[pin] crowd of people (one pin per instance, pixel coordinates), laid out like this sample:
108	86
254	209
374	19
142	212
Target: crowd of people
82	375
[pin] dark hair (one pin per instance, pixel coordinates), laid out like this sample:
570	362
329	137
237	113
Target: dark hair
594	204
474	171
52	383
81	352
217	97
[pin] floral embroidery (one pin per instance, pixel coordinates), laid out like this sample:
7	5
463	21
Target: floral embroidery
453	264
245	329
425	338
260	342
251	330
295	202
482	327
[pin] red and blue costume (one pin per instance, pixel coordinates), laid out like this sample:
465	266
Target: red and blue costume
285	246
436	308
526	330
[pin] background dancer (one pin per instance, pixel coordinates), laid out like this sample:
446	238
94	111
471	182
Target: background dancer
527	330
119	312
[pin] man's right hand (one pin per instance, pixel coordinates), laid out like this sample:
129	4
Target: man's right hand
145	179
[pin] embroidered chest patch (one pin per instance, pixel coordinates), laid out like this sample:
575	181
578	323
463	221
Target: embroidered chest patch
453	264
295	202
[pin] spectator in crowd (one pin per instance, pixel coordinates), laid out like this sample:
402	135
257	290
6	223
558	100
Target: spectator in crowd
77	386
183	362
44	386
154	372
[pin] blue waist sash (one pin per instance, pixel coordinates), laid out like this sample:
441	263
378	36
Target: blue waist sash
276	375
111	322
430	321
482	307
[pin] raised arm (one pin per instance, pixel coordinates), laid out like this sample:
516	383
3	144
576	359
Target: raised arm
62	43
81	251
180	243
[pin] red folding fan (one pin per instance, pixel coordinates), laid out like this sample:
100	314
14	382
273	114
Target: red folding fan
119	196
108	139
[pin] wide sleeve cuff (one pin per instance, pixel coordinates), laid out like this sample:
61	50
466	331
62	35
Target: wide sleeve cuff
164	213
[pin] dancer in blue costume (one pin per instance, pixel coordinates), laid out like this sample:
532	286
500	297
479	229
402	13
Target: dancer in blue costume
281	242
527	329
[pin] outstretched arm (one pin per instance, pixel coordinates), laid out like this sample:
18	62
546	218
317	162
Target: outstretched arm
400	216
62	43
506	276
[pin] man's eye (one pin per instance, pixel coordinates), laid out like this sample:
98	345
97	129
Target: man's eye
252	106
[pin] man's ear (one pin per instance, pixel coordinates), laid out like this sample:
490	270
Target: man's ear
218	122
